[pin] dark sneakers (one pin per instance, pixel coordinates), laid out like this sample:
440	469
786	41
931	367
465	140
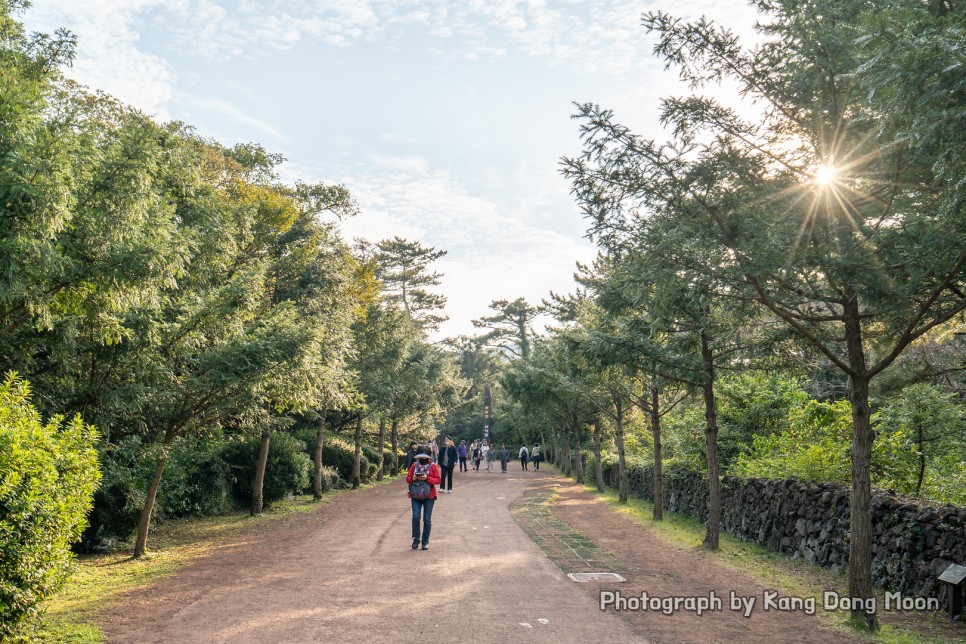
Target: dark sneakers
425	546
415	543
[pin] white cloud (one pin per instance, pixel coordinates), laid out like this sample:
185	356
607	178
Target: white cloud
108	57
494	251
233	112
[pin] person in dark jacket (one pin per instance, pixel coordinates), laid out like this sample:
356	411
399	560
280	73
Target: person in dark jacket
447	463
476	456
410	456
461	452
504	457
423	469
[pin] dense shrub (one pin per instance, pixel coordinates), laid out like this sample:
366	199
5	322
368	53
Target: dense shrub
815	446
48	474
389	461
331	479
197	482
920	443
197	479
371	455
750	406
340	453
120	497
287	471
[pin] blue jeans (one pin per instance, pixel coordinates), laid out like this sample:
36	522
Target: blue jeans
418	508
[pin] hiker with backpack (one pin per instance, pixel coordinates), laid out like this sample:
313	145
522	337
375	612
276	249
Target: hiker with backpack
524	456
423	477
536	456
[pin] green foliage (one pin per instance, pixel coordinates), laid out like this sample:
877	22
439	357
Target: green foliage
371	456
287	471
198	482
48	474
339	454
921	439
683	439
814	446
405	273
331	479
753	404
510	328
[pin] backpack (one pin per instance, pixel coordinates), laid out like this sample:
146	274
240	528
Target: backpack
420	490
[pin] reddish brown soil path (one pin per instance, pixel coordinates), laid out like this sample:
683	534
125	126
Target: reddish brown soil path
664	570
346	573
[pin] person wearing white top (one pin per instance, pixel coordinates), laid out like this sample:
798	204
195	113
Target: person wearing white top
524	456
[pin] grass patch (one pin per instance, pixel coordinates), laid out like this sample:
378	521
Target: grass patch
789	576
99	581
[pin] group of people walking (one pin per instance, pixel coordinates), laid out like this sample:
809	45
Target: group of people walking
485	454
432	465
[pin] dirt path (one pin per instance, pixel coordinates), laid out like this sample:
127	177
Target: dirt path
347	573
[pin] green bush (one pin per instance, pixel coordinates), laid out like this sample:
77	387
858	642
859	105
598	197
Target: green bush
48	474
389	461
371	455
340	453
920	442
750	406
197	482
331	479
118	501
287	471
816	446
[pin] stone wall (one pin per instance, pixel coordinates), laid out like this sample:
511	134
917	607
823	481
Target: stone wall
911	546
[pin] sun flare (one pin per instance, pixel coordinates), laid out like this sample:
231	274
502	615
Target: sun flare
825	175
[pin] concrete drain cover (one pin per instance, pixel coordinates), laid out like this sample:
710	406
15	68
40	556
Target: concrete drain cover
595	576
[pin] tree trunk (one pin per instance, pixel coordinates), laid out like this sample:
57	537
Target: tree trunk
259	482
922	457
621	458
382	447
567	455
317	490
394	433
555	453
357	460
578	459
713	525
145	523
860	521
598	468
658	512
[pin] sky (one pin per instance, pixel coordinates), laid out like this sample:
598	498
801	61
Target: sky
446	120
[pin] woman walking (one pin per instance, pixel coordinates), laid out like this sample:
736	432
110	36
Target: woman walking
461	452
504	457
423	477
536	456
476	456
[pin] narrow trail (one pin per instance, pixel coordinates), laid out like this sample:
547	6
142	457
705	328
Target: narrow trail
347	573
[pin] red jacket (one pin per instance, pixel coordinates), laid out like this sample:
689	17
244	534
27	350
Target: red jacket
432	478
